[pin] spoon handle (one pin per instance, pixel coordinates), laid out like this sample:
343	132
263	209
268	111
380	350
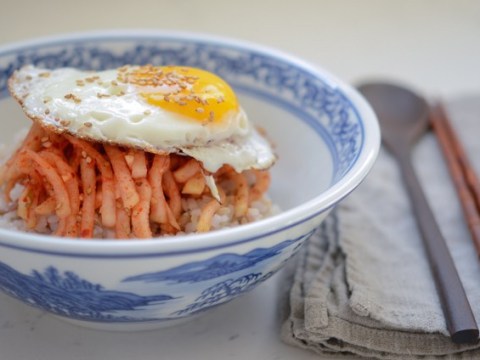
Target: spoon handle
459	317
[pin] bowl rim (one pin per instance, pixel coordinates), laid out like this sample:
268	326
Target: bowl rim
181	244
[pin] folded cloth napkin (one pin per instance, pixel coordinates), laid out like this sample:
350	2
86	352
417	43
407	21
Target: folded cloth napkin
362	284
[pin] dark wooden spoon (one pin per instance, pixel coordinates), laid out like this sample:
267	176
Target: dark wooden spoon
403	118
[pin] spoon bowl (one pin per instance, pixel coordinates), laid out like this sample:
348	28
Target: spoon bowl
403	114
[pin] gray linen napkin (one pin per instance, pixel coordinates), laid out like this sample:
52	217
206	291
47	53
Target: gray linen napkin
362	284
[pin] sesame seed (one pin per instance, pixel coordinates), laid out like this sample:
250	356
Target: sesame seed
211	116
28	77
88	159
84	154
44	74
87	124
47	111
209	88
121	79
73	98
43	139
147	112
92	79
199	110
64	122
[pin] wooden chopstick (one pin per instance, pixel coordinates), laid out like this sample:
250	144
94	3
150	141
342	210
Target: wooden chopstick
461	170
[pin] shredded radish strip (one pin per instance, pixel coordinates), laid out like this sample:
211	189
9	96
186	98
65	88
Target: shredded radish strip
123	176
141	211
54	178
87	170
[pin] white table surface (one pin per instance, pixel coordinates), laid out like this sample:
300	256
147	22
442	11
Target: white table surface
432	45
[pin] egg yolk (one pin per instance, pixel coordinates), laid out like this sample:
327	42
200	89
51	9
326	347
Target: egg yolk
191	92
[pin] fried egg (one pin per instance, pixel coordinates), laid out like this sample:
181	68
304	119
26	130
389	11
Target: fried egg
159	109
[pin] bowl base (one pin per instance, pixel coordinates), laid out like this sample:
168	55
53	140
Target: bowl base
132	326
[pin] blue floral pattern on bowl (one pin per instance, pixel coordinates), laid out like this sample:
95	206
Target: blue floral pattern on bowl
217	280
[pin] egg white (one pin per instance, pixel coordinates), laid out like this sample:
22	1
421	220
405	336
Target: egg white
94	106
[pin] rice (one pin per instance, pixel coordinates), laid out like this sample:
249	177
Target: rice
191	208
224	217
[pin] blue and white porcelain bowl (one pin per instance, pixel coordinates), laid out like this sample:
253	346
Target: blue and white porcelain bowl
327	139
